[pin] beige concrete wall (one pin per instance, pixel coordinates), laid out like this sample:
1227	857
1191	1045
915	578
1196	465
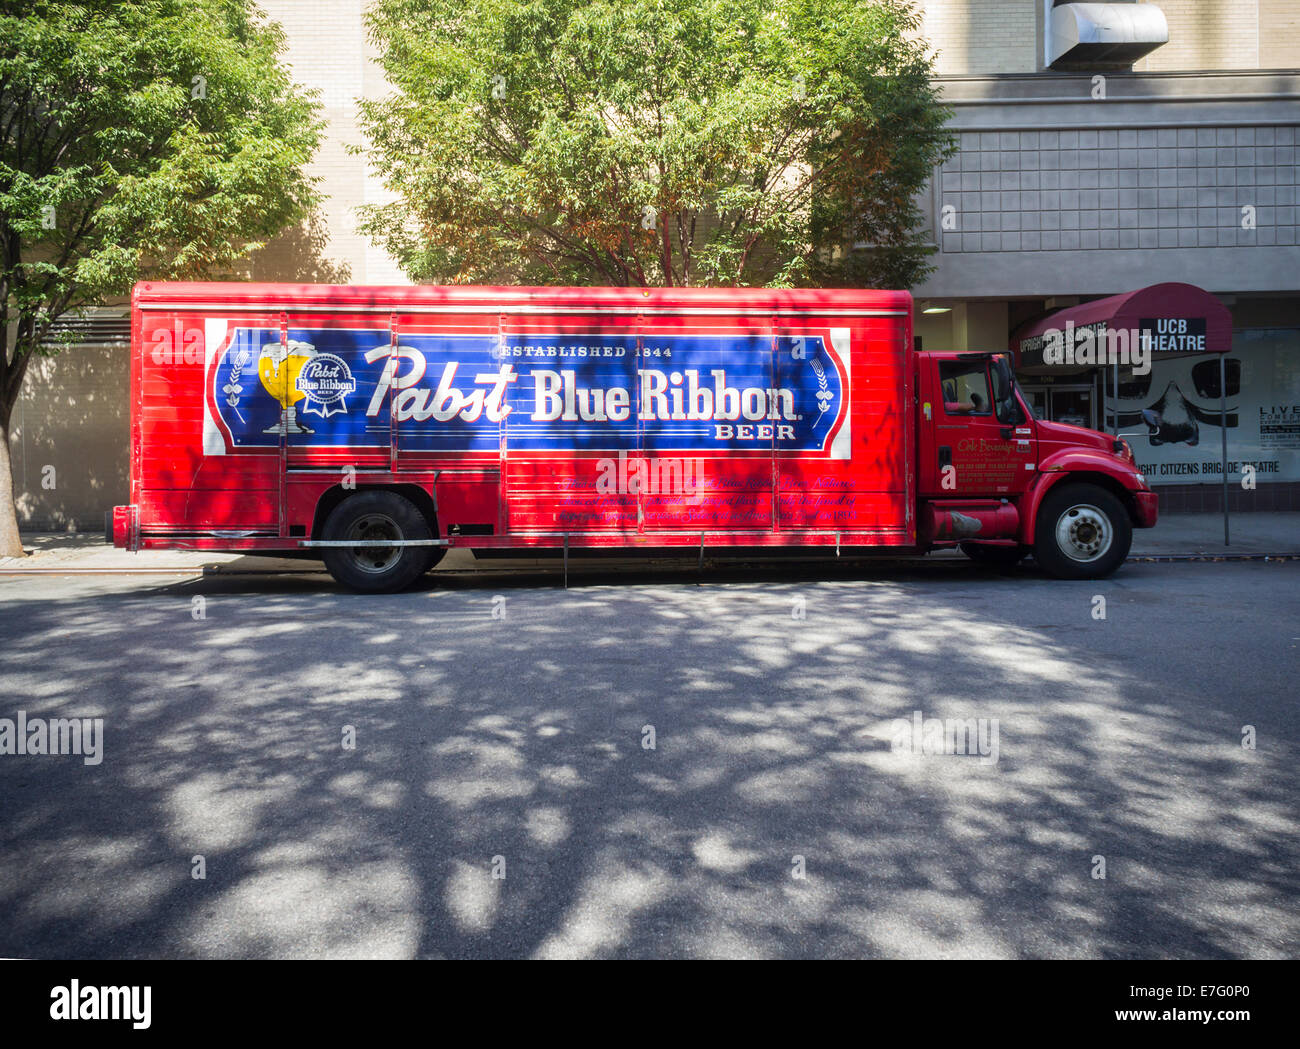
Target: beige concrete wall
981	326
327	50
978	325
934	330
1279	34
70	440
1207	34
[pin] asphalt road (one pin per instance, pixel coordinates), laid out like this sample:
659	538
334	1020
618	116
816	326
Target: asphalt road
502	726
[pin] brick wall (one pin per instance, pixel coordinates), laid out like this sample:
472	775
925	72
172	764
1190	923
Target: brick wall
983	36
1279	34
1208	34
327	49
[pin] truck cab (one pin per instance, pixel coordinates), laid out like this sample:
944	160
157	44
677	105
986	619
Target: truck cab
1000	483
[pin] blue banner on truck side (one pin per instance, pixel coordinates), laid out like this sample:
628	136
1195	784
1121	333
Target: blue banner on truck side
339	388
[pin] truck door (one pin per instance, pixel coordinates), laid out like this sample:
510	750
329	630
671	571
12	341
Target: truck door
447	410
234	391
969	451
336	408
571	437
708	424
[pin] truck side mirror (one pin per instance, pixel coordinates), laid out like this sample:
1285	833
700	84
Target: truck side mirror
1008	407
1154	421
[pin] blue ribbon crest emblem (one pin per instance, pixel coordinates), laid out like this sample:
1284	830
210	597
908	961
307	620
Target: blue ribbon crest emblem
325	380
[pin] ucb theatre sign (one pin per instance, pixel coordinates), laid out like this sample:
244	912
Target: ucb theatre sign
1173	334
1133	330
1104	343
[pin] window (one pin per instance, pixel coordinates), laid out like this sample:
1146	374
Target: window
965	388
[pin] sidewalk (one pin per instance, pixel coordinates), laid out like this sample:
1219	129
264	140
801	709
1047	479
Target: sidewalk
1201	534
86	552
1176	535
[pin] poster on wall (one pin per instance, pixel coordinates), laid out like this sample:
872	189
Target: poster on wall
1175	411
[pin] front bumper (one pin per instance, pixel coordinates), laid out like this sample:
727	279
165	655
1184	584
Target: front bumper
1146	509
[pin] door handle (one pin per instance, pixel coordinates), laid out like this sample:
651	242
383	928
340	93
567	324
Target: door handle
945	456
1005	433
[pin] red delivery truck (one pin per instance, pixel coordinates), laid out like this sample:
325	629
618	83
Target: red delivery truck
375	427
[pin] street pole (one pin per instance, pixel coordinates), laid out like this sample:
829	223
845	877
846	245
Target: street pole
1223	430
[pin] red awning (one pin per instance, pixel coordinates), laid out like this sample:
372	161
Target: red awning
1182	319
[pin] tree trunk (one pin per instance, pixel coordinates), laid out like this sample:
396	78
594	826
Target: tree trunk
10	543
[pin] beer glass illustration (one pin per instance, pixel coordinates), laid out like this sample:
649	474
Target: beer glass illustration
278	367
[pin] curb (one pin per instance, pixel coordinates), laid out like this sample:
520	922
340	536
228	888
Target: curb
199	571
1169	558
219	570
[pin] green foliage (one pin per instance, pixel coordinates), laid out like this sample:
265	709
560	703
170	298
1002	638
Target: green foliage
149	139
692	142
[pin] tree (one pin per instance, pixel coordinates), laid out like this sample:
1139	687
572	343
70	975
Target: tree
646	142
156	139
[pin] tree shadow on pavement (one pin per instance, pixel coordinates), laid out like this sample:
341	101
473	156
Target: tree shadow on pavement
503	729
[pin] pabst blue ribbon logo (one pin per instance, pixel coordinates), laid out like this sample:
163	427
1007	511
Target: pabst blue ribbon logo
325	380
587	391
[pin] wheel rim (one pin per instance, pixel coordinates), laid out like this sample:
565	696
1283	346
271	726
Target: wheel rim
375	559
1084	533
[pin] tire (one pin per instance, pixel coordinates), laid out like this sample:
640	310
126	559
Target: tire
377	570
1003	558
1082	532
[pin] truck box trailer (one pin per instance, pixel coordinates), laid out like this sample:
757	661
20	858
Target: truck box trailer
376	427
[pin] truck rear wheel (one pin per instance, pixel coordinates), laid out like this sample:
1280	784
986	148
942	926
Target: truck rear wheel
380	517
1083	532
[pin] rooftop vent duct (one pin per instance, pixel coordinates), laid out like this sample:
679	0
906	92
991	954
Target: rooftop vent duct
1092	35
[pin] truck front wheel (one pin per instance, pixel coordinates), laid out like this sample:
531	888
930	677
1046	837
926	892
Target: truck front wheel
372	519
1082	532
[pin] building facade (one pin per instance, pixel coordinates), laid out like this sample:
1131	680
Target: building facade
1104	148
1085	173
